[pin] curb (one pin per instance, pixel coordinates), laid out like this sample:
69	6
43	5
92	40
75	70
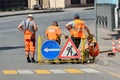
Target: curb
30	12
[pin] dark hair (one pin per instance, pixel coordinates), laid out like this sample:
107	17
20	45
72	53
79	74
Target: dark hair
55	23
90	37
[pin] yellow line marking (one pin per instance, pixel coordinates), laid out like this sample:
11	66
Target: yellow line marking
114	74
42	71
9	72
72	70
109	72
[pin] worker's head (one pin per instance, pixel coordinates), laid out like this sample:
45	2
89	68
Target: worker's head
76	16
90	38
55	23
30	16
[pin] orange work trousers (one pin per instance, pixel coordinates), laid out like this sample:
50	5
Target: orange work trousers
30	45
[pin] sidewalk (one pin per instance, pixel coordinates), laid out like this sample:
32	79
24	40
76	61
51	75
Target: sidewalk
13	13
105	48
105	45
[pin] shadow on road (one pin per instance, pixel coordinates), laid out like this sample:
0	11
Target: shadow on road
10	47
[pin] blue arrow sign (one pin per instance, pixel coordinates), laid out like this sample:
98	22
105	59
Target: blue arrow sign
50	49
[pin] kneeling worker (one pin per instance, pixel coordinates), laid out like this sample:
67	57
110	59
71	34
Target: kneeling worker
91	50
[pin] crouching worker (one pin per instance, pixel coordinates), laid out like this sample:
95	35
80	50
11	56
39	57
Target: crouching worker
91	50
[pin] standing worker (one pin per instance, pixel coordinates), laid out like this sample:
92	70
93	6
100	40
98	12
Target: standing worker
29	28
53	33
77	29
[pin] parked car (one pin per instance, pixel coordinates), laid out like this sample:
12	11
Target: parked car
36	7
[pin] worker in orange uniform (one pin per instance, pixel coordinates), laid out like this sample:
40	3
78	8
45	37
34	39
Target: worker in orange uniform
53	32
29	28
77	29
91	50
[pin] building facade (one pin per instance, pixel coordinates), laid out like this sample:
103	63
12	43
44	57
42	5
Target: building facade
22	4
66	3
8	5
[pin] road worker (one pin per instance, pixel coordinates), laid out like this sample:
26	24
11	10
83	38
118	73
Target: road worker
29	28
77	29
91	50
54	33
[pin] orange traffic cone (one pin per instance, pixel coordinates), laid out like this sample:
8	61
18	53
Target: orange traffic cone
119	45
114	47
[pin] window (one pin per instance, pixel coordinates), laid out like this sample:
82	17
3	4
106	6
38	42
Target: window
75	1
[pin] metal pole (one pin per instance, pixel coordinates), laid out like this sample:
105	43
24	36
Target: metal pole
96	31
116	14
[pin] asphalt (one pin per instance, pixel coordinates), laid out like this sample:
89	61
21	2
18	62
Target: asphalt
105	43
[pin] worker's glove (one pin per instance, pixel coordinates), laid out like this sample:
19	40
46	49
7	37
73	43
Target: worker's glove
65	36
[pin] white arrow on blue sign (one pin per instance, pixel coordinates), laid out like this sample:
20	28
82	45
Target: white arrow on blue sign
50	49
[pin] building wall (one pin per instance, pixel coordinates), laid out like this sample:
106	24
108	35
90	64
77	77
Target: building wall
83	1
46	4
105	16
31	3
57	3
67	3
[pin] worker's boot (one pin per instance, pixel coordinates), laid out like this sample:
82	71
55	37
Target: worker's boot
33	60
28	60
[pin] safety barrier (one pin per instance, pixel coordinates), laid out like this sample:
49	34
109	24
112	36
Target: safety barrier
41	39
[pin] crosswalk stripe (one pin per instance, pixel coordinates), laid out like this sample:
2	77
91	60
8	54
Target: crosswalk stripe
9	72
72	70
90	70
25	72
50	71
57	71
42	71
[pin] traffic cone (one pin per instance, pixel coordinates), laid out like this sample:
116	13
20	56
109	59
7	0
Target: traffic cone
119	45
114	51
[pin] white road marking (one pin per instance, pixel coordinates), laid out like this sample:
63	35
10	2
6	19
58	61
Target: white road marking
52	71
25	72
90	70
57	71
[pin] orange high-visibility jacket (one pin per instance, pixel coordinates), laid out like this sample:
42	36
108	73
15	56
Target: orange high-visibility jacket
78	29
94	49
53	32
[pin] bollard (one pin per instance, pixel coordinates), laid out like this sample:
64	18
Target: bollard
39	50
83	48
